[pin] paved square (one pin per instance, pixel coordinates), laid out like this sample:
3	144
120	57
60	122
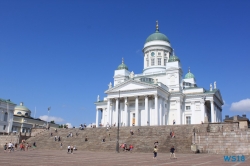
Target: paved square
61	158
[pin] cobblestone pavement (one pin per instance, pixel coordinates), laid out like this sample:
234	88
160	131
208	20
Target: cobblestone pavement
85	158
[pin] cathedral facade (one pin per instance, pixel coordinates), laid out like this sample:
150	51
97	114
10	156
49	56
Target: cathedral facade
160	95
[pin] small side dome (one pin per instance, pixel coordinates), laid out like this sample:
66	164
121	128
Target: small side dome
122	66
189	75
173	58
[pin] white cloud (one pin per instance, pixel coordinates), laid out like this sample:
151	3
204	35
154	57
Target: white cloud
69	125
243	105
50	118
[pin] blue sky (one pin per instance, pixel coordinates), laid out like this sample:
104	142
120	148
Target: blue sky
63	53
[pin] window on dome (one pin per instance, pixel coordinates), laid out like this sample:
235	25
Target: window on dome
19	113
188	107
152	62
159	53
26	114
159	61
165	54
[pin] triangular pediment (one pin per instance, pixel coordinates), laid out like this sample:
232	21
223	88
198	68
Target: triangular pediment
218	95
130	85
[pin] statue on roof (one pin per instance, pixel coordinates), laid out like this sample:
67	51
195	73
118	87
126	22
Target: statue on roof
211	87
110	85
214	84
98	98
132	75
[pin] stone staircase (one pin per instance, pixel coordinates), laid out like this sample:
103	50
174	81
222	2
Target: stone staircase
8	138
142	140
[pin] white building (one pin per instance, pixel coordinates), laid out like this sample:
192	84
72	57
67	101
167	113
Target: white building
6	115
160	95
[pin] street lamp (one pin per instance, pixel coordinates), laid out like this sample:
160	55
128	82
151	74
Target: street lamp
118	127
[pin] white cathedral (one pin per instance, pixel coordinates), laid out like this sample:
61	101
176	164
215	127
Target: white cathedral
160	95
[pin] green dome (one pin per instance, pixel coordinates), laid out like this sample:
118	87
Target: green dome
122	66
189	75
157	36
173	58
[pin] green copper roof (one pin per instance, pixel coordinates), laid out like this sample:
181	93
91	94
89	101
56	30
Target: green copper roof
173	58
189	75
122	66
157	35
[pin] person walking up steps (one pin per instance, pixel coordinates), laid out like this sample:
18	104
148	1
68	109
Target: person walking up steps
172	150
68	148
155	152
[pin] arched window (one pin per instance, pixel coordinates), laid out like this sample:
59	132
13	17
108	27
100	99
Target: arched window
26	114
5	117
19	113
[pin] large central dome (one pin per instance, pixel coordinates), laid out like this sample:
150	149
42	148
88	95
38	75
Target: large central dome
157	35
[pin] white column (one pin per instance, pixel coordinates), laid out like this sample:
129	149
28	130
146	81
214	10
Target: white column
108	111
156	110
203	111
163	111
212	111
136	111
146	110
126	111
149	113
116	111
96	119
160	111
193	112
166	113
112	113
